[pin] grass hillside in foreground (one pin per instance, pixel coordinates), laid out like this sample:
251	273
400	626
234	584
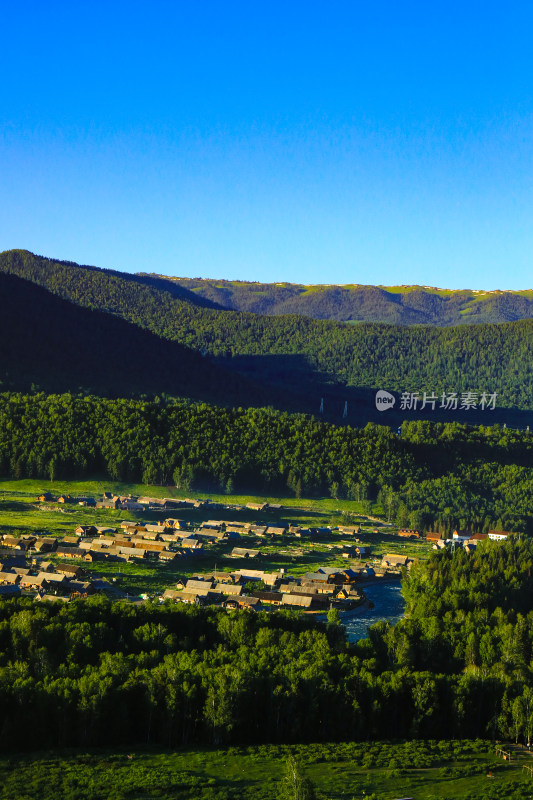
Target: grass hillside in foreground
381	770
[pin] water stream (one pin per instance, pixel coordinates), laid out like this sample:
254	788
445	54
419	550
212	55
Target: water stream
388	605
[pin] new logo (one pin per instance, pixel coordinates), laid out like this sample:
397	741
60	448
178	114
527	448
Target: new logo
384	400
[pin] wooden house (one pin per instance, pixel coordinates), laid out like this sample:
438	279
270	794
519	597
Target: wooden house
86	530
268	598
131	505
258	530
9	578
70	552
230	588
50	598
70	570
169	555
171	594
347	593
194	584
32	581
45	544
191	598
70	541
394	561
16	544
191	543
244	552
276	530
349	530
297	600
81	588
53	578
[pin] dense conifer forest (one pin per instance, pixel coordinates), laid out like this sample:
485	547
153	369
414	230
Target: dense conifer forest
432	476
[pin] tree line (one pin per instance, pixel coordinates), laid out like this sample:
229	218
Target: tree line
96	672
433	476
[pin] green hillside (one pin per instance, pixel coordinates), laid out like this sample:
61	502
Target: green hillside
297	355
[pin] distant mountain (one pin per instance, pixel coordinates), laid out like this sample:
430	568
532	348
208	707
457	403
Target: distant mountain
402	305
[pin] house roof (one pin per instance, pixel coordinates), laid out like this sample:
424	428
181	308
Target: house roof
51	598
188	597
297	600
71	552
70	568
9	577
229	588
317	577
171	594
34	580
52	577
198	584
243	551
81	586
393	559
268	597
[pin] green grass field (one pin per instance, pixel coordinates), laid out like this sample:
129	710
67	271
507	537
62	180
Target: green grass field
421	770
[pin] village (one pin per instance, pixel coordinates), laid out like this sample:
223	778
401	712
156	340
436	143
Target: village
60	568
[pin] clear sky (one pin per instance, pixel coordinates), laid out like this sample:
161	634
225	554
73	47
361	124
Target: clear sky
314	142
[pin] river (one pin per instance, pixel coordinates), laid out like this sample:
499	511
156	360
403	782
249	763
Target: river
388	605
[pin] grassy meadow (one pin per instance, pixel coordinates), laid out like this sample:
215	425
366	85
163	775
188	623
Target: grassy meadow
450	770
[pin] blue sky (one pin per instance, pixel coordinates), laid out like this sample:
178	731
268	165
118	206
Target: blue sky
312	142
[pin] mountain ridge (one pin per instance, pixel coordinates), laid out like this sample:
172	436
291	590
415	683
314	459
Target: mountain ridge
399	305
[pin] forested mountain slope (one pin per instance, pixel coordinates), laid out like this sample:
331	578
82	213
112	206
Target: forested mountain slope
292	351
55	345
403	305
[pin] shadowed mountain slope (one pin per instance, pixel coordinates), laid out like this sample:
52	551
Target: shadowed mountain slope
296	357
58	346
